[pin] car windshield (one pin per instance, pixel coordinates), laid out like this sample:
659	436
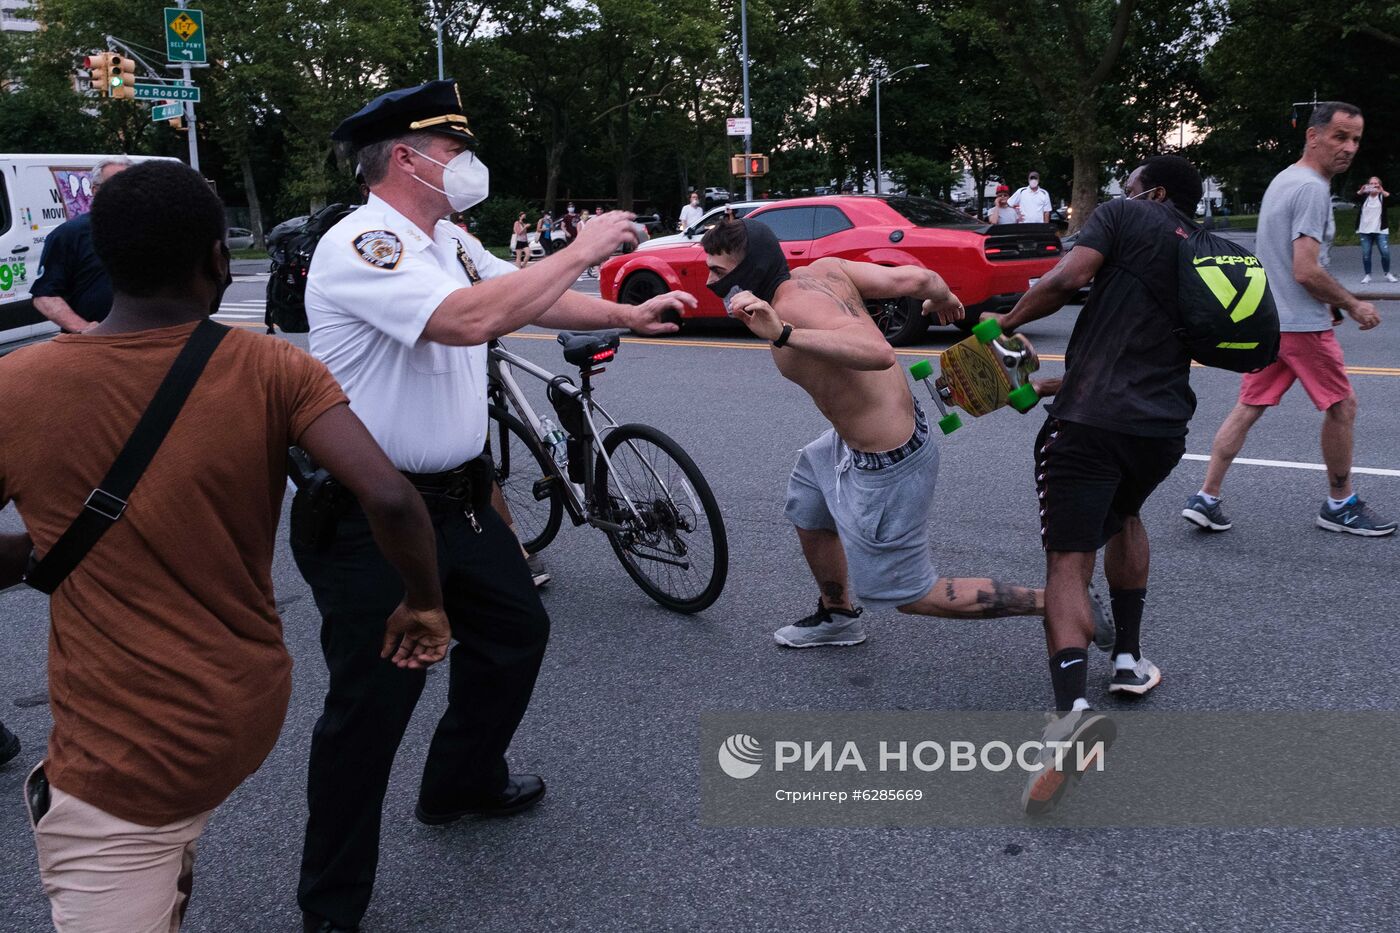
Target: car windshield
923	212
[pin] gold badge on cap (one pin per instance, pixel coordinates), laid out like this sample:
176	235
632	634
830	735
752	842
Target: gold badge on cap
379	248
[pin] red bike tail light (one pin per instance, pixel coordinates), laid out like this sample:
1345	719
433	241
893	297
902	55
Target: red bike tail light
603	356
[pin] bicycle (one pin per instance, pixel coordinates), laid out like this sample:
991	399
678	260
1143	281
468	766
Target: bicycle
631	481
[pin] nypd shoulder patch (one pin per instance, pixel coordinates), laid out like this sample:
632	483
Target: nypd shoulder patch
379	248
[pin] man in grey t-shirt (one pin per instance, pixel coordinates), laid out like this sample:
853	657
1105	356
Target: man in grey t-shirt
1295	230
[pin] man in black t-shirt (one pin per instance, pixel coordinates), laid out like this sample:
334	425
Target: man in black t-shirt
1115	430
72	289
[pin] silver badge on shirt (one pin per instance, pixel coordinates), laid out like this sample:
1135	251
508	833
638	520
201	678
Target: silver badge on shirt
379	248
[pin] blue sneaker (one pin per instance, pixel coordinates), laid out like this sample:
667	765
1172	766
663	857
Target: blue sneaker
1202	514
1354	518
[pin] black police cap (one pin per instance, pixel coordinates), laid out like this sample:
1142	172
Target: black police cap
435	107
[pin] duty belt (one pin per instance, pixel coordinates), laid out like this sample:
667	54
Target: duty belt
449	484
454	485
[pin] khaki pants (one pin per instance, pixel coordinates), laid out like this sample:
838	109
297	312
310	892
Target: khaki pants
105	875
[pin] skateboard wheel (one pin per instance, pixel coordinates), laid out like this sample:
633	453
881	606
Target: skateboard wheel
986	331
1023	398
921	370
949	423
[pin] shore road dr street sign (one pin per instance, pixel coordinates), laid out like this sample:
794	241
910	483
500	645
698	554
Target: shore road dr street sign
184	35
145	91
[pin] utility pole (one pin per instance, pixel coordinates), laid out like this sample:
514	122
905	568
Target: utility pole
439	43
879	163
189	107
748	137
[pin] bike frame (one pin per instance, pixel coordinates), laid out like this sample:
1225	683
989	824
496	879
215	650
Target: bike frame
579	498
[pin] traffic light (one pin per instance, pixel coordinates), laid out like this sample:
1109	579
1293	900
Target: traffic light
99	66
123	78
177	124
748	165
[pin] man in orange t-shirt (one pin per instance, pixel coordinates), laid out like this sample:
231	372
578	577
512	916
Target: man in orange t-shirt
168	676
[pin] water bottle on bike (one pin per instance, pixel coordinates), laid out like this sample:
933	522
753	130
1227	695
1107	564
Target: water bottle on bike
556	442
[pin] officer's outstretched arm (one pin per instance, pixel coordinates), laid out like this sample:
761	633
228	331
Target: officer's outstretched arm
497	306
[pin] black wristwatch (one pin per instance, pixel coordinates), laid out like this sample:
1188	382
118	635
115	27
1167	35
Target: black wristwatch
783	337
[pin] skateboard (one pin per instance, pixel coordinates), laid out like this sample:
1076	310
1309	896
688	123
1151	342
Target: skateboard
980	375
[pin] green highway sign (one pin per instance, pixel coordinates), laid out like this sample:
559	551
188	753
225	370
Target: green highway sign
166	112
147	91
184	35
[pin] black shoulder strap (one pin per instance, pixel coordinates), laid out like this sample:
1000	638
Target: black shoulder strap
107	502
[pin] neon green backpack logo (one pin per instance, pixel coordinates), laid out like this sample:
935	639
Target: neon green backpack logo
1225	291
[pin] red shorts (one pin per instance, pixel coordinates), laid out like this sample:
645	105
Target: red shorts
1313	358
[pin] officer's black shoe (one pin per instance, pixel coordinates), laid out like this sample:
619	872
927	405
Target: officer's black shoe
521	792
310	923
9	746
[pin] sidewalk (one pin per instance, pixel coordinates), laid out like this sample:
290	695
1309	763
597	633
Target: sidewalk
1346	266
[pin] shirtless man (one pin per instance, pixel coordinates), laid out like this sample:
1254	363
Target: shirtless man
861	493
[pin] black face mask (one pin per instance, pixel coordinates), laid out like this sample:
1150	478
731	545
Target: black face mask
762	269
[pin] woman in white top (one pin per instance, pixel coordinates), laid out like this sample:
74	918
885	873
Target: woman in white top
520	241
1374	204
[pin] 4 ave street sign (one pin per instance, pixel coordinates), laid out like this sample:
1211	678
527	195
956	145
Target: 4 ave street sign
147	91
166	112
184	35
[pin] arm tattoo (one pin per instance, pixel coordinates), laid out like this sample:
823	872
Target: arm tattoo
1004	599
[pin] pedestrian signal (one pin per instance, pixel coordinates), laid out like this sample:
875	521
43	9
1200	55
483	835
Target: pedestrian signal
748	165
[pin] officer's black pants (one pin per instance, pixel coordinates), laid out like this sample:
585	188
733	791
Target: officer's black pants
501	629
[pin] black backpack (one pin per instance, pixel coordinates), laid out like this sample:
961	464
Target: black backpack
1226	314
291	250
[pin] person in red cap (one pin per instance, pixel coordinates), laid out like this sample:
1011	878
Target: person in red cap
1001	212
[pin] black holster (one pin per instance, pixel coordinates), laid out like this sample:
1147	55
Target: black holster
318	505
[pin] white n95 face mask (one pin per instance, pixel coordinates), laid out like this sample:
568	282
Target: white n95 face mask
466	180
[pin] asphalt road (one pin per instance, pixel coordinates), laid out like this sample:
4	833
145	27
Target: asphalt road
1274	615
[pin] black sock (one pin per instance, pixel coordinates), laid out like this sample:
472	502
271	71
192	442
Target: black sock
1127	621
1069	675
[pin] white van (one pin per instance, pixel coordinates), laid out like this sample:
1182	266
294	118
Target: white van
37	193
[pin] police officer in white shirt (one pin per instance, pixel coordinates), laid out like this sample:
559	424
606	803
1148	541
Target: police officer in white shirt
1032	202
401	305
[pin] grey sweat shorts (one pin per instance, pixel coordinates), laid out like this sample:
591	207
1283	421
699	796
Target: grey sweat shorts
882	516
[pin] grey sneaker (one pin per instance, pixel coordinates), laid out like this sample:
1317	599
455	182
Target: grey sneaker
1104	632
537	571
1354	518
1137	680
1090	734
835	627
1202	514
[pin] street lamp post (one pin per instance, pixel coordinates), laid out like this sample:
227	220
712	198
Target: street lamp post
744	52
879	165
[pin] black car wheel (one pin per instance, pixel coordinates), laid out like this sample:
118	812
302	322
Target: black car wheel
900	319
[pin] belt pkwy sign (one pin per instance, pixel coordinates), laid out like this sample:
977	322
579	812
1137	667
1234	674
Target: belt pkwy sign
167	92
184	35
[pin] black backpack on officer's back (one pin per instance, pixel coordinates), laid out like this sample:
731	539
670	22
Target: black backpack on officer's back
291	253
1226	314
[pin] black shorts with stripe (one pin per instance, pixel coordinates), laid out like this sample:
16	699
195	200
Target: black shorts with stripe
1090	479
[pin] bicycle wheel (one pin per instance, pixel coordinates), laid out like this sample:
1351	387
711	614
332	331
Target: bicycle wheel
520	463
674	547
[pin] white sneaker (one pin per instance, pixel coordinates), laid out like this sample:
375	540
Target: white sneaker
836	628
1391	278
1061	767
1137	680
1365	280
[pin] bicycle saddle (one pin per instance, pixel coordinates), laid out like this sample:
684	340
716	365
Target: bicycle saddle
582	349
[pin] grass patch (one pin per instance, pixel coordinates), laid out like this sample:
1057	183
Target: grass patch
249	253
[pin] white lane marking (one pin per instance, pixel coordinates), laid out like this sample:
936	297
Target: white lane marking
1293	465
